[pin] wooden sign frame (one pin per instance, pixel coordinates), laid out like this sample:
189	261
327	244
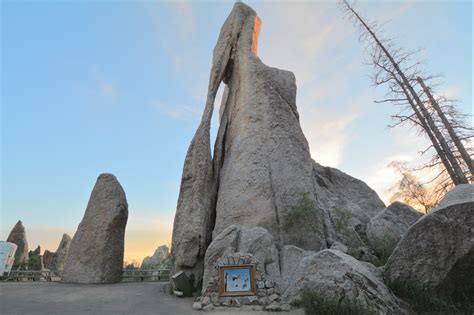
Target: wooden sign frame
222	281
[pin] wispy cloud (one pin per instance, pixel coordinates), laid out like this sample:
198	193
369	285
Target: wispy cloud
183	13
327	132
405	148
176	111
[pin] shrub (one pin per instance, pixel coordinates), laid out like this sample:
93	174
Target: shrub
342	220
302	218
316	305
426	301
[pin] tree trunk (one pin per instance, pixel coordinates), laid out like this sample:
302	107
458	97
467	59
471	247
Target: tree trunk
439	151
459	177
462	150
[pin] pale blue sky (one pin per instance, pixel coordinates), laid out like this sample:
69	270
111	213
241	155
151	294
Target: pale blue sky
118	86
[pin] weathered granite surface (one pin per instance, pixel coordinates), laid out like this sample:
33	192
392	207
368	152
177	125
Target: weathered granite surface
96	251
437	252
339	277
17	236
154	261
261	173
385	230
55	260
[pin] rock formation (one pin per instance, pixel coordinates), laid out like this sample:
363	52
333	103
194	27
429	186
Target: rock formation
339	277
461	194
437	252
261	173
350	204
18	236
160	254
96	251
387	228
55	261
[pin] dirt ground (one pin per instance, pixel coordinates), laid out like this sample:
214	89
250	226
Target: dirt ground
120	298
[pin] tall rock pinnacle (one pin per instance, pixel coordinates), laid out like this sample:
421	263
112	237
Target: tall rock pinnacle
96	251
55	261
18	236
261	165
261	175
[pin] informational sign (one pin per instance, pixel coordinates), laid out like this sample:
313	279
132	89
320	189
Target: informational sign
237	280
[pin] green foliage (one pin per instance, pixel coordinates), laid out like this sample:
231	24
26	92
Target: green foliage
376	261
316	305
300	212
425	301
382	247
34	263
341	221
302	220
134	265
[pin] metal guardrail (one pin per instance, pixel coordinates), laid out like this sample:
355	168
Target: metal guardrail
32	275
156	275
146	275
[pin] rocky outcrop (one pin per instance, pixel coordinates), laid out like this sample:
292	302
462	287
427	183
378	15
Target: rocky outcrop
96	251
350	205
195	213
386	229
437	252
49	260
55	261
262	160
261	173
336	276
261	166
17	236
160	254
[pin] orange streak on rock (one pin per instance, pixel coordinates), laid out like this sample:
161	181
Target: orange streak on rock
257	24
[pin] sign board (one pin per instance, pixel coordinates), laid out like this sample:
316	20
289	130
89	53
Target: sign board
237	280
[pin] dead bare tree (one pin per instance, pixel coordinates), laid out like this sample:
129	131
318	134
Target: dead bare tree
447	124
395	69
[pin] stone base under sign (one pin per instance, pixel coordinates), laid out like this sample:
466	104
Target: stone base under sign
267	297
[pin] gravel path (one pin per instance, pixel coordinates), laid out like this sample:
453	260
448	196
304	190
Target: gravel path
120	298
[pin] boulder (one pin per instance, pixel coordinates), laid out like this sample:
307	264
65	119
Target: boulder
160	254
437	252
336	276
386	229
290	257
238	239
350	204
460	194
181	283
55	261
17	236
96	251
